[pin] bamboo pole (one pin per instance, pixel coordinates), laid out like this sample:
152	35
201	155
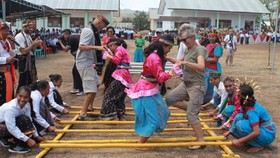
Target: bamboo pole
124	122
127	108
132	114
159	140
227	150
59	136
124	130
129	145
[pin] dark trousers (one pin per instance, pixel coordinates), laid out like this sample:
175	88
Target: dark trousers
77	81
242	40
26	78
25	125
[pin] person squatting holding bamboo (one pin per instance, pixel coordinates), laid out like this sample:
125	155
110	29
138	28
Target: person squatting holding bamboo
43	118
16	123
54	99
253	125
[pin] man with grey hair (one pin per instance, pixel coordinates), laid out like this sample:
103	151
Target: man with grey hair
194	85
86	61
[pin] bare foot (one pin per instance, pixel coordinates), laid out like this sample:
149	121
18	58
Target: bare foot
255	149
144	149
142	141
115	119
122	118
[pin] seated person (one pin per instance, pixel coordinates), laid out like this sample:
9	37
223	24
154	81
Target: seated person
44	119
232	105
54	99
253	125
219	96
16	122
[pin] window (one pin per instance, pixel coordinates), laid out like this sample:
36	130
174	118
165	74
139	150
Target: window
249	25
54	21
224	23
159	24
77	22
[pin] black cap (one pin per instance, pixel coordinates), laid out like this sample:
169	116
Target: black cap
67	30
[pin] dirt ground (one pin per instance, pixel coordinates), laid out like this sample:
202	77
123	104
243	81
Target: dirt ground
251	62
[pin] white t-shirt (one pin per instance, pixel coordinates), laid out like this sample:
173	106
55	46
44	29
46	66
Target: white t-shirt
24	40
230	41
182	50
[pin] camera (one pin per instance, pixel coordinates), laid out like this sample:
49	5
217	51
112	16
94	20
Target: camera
60	37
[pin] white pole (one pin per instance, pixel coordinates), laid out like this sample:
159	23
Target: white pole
274	45
4	10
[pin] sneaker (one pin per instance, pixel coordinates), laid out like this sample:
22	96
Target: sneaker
74	91
4	142
80	94
82	117
19	149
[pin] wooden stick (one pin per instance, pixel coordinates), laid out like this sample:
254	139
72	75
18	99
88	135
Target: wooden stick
159	140
130	145
124	122
127	108
132	114
59	136
124	130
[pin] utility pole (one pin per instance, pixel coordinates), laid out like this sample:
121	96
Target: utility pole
274	45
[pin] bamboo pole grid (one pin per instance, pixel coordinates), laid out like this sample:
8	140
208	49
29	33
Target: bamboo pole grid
212	139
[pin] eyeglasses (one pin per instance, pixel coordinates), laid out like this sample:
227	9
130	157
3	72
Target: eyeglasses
110	31
185	39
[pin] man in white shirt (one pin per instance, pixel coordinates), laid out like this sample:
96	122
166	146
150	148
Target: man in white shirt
231	46
26	67
220	95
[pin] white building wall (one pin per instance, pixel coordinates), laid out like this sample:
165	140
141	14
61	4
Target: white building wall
234	17
66	19
166	25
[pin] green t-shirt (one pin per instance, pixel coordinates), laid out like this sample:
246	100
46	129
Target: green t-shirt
191	76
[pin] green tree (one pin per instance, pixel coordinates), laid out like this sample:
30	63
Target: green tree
272	6
140	21
127	19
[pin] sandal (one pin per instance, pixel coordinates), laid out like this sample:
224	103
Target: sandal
82	117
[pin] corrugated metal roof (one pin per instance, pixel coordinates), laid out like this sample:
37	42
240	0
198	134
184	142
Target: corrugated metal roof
109	5
153	13
238	6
